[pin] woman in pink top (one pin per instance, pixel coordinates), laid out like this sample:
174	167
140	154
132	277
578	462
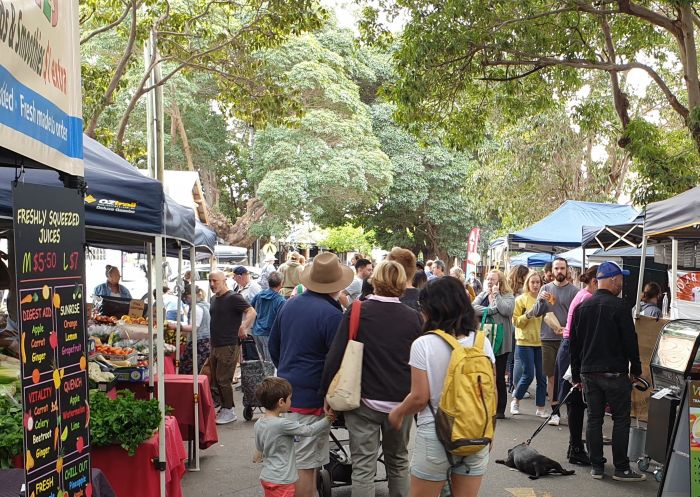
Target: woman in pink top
575	406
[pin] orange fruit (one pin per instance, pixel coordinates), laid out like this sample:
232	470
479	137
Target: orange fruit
56	300
83	362
36	376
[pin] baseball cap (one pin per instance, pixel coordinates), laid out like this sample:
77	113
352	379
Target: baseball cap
240	270
610	269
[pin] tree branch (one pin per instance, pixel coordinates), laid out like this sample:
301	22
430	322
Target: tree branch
619	98
660	20
108	26
530	60
513	78
118	73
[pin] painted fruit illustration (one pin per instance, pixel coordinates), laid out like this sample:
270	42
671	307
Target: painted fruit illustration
53	340
87	414
25	419
64	435
27	299
45	292
29	460
88	490
22	347
55	438
56	300
83	362
59	463
36	376
35	297
56	379
80	444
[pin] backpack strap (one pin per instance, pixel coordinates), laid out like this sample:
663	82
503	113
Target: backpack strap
450	339
354	319
479	340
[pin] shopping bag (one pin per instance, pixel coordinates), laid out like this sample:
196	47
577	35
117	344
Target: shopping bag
551	320
344	391
493	331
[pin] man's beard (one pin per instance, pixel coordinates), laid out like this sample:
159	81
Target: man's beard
560	277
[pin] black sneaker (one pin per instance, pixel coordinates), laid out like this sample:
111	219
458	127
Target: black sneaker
598	473
500	415
578	455
628	475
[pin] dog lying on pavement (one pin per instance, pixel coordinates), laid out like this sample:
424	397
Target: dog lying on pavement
527	460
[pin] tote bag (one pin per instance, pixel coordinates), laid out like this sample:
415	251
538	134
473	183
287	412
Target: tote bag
344	391
493	331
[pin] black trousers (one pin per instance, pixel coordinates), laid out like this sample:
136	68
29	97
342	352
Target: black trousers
617	392
501	363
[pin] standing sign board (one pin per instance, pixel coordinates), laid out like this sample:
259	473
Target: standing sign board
49	235
40	87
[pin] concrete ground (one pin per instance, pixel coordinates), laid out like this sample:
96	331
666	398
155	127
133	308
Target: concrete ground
226	468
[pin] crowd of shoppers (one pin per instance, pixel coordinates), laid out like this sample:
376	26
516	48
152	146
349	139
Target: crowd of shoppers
539	323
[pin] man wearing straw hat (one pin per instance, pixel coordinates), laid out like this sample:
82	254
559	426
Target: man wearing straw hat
299	341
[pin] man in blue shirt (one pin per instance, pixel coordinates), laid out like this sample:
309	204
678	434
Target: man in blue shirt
267	304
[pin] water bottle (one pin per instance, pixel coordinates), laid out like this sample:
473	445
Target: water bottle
664	306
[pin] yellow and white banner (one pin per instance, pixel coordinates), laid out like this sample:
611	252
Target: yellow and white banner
40	88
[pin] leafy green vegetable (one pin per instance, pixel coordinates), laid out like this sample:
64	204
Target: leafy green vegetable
125	421
11	431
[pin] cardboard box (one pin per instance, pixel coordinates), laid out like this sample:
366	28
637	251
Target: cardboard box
131	375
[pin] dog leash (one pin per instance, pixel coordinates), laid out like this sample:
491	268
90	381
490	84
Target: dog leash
554	411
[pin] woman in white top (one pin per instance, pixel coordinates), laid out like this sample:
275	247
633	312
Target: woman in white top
445	306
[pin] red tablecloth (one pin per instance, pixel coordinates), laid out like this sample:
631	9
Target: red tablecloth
136	475
179	395
169	364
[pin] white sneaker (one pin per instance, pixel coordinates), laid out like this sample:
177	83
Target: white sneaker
554	421
527	395
541	413
226	416
514	407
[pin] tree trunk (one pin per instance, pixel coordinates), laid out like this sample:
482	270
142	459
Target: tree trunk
176	116
690	65
239	233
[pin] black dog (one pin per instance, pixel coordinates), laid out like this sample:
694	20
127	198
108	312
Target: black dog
527	460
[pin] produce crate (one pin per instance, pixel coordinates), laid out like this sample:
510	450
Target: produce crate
131	358
131	375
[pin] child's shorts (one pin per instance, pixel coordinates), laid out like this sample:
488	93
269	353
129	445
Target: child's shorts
277	489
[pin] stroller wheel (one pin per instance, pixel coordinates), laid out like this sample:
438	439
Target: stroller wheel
248	413
324	484
643	464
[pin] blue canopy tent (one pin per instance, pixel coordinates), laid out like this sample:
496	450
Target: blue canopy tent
561	230
539	259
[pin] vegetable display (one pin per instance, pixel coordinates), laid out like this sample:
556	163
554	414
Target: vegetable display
11	431
125	421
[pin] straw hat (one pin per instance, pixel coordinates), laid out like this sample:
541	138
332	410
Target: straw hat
326	274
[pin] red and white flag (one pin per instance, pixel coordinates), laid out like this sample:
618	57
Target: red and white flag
473	257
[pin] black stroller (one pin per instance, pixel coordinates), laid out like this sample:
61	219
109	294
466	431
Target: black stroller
338	471
253	371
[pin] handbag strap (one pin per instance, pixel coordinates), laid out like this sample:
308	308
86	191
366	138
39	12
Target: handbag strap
484	317
354	319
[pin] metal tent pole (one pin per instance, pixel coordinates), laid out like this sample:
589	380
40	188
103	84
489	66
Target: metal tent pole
160	361
149	267
640	283
195	367
179	310
674	277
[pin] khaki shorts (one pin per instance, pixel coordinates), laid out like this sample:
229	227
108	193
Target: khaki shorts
311	452
550	348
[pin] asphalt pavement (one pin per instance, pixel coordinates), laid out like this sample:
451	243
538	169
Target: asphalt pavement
226	469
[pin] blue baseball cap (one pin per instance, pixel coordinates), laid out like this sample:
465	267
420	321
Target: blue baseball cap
610	269
241	270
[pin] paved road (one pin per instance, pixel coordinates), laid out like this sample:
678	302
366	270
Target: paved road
227	470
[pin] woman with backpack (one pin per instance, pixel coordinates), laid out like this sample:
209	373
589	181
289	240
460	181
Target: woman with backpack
498	303
387	328
446	307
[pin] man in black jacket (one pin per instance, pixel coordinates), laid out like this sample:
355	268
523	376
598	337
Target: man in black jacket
605	356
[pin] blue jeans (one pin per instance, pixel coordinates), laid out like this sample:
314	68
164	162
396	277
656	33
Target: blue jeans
531	360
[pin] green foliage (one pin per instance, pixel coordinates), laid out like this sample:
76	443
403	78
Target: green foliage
125	421
348	238
427	207
666	161
327	162
11	431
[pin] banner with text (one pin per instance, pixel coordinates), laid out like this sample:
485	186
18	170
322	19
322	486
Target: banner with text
49	235
473	257
40	86
687	295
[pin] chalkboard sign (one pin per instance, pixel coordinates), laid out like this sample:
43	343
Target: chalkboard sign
49	237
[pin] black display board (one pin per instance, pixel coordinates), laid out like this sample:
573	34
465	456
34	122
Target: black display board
49	235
